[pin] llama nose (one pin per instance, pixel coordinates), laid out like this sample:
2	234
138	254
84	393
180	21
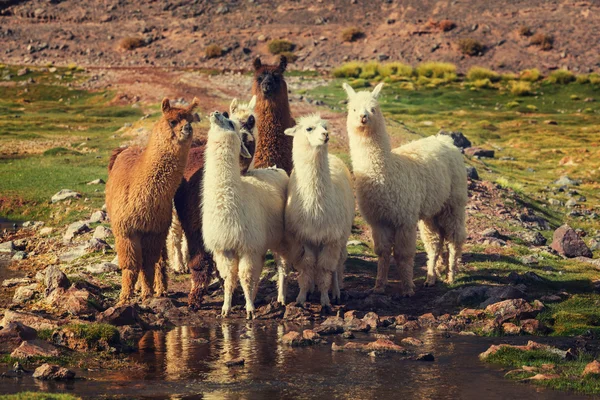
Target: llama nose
326	137
363	119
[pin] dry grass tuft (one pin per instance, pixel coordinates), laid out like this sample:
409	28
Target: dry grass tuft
470	47
131	43
352	34
544	41
213	51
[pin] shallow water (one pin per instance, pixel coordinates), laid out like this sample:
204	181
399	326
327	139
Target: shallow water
189	363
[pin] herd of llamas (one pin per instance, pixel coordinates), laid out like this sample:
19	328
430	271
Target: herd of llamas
261	182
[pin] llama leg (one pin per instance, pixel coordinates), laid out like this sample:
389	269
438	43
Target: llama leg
305	265
160	275
185	254
129	250
152	246
282	272
453	222
442	264
338	275
327	262
405	247
433	246
174	239
382	239
227	264
250	269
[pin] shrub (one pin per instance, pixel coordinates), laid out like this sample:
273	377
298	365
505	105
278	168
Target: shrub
521	88
395	69
291	57
352	34
369	70
213	51
407	86
561	76
512	104
543	40
594	78
131	43
359	83
446	25
483	83
433	69
525	31
278	46
509	76
351	69
530	75
479	73
582	79
470	47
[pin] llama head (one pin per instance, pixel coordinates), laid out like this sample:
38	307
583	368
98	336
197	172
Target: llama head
313	128
243	117
363	107
176	122
268	79
223	127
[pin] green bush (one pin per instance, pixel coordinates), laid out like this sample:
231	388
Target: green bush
561	77
479	73
395	69
434	69
483	83
470	47
213	51
530	75
351	69
278	46
369	70
359	83
521	88
352	34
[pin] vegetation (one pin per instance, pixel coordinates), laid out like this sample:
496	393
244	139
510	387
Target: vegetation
530	75
470	47
94	333
213	51
352	34
435	69
543	40
38	396
525	31
478	73
521	88
131	43
561	76
279	46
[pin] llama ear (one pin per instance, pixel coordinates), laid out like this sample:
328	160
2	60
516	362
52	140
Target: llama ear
233	106
377	90
166	106
244	151
195	103
225	114
349	91
195	117
291	131
252	103
257	64
282	63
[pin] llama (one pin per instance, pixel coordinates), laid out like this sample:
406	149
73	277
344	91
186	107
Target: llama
319	210
139	197
273	148
189	207
242	115
421	181
242	216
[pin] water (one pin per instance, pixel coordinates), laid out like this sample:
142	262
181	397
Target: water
189	363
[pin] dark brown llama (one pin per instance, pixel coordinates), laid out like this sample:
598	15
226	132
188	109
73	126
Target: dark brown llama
273	116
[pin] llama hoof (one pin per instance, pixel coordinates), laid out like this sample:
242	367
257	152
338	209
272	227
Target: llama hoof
326	310
379	289
429	283
407	293
250	315
224	313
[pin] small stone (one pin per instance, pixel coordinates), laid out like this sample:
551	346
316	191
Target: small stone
96	182
412	341
99	216
479	152
76	228
96	245
459	139
354	243
568	243
565	181
46	231
385	345
7	247
409	326
53	372
348	335
35	348
491	233
19	255
55	279
65	194
102	268
293	339
102	232
25	293
425	357
472	173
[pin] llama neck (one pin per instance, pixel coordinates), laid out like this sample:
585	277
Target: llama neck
162	161
311	167
222	165
370	148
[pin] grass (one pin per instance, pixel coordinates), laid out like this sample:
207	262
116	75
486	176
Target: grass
530	75
435	69
38	396
478	73
576	316
521	88
94	333
569	372
352	34
561	77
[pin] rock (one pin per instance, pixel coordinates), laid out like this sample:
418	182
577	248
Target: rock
13	333
491	232
19	255
55	279
427	319
534	238
53	372
510	328
102	268
385	345
102	232
401	319
28	319
74	253
555	202
529	260
594	244
22	71
571	203
16	282
46	231
425	357
534	327
355	324
542	377
479	152
235	362
331	326
568	243
65	194
311	336
471	313
409	326
372	320
98	216
514	309
120	316
25	293
458	138
76	228
293	312
592	368
348	335
293	339
472	173
96	182
74	301
412	341
565	181
35	348
96	245
7	247
382	57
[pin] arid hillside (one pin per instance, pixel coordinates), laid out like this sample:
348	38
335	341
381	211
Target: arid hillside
506	35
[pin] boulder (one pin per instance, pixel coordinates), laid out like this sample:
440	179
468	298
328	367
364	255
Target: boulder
293	339
74	253
8	247
65	194
99	216
13	333
28	319
331	326
514	309
472	173
102	232
568	243
25	293
372	319
55	279
293	312
75	301
511	329
385	345
53	372
35	348
120	316
76	228
102	268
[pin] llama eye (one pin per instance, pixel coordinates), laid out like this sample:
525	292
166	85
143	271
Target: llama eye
173	124
309	129
372	110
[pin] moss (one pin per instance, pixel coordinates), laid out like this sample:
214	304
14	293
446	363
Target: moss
61	151
94	333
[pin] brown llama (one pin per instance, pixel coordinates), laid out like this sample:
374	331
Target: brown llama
139	197
189	210
273	116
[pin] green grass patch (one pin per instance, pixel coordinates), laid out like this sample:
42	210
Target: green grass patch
94	333
38	396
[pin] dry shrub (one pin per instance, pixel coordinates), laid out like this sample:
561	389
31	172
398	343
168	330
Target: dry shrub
278	46
521	88
561	77
440	70
525	31
131	43
213	51
530	75
480	73
544	41
351	69
470	47
352	34
446	25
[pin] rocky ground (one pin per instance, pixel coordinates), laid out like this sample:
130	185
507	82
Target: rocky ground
177	33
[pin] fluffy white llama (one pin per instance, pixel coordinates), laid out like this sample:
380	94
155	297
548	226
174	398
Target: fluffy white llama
242	216
422	181
242	115
319	210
